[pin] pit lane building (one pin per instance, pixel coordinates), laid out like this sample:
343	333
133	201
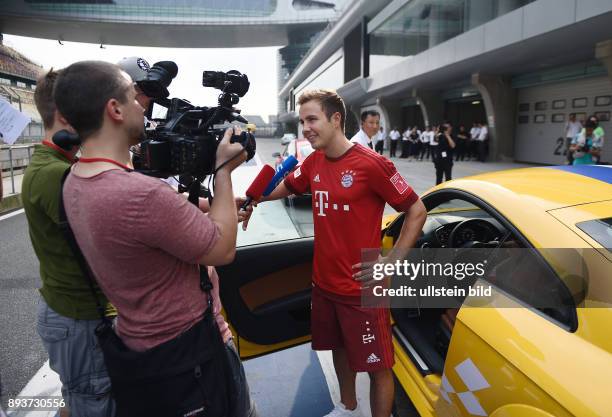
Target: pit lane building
520	65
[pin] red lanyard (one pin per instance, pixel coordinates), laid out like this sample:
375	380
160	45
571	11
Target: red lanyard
58	149
110	161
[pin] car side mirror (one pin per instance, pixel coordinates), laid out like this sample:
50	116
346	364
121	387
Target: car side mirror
276	155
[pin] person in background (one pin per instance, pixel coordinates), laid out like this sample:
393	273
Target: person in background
370	123
474	132
598	132
572	129
406	143
425	141
482	140
380	141
444	158
394	137
462	143
587	146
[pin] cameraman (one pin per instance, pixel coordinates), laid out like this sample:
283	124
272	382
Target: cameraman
143	242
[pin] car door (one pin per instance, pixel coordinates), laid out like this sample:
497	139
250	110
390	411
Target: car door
266	295
477	373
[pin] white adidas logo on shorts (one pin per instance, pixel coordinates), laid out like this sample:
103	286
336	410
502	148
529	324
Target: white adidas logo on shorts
373	358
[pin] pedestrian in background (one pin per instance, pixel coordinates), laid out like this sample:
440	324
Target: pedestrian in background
444	158
406	143
380	141
463	139
394	137
473	148
482	140
586	147
572	129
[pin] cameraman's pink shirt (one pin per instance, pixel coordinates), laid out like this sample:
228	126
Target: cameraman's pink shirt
143	242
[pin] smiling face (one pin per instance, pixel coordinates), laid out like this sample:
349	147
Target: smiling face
317	128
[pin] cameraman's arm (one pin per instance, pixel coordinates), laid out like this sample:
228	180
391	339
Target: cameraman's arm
223	209
223	214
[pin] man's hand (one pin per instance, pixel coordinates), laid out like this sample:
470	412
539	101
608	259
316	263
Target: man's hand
244	215
363	272
232	152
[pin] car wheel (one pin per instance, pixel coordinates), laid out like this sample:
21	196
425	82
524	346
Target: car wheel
402	406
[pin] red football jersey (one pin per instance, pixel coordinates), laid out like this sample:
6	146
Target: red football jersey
348	200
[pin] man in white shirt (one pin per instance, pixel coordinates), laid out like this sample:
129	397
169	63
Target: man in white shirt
394	135
482	138
572	129
379	141
426	138
370	123
473	147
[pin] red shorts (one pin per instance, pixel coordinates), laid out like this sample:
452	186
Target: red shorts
365	333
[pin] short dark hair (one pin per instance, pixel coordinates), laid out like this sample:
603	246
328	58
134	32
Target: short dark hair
330	103
82	91
43	97
365	114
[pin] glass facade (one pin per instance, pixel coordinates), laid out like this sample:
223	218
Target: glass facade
330	75
156	9
422	24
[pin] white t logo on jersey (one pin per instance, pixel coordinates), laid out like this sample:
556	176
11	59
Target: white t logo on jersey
322	197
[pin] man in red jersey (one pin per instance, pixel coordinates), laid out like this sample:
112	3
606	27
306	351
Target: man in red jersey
350	185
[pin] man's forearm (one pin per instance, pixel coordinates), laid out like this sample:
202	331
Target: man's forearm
223	209
281	191
411	230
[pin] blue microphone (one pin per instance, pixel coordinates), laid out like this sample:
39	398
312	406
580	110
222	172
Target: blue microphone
285	168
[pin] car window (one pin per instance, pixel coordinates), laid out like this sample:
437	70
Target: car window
513	265
306	150
272	221
454	204
291	148
600	230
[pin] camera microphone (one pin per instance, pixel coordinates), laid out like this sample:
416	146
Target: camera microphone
258	185
66	140
285	168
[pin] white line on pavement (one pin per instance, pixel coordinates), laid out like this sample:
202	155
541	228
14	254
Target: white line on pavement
14	213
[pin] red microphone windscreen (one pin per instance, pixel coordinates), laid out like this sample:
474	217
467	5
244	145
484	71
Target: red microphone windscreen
260	182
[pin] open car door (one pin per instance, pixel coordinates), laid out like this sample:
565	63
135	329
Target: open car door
266	295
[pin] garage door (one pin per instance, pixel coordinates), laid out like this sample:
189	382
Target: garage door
543	112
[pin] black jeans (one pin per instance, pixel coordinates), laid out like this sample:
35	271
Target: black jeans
444	167
245	407
393	148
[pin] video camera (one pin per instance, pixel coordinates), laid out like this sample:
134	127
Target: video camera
182	138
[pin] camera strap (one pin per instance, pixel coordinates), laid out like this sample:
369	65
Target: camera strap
69	236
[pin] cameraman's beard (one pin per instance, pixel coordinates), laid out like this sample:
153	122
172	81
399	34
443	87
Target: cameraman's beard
136	135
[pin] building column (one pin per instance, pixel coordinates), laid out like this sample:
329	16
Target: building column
500	105
603	52
431	104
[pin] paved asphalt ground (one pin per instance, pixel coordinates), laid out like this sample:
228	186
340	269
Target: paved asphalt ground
21	352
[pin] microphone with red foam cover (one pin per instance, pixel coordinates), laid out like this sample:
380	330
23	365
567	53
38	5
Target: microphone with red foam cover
258	185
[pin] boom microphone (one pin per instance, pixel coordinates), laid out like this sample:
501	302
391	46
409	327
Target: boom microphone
285	167
260	182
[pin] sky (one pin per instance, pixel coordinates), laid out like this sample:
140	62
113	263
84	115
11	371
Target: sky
260	65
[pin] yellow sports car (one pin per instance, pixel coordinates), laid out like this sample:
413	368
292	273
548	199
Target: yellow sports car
510	358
